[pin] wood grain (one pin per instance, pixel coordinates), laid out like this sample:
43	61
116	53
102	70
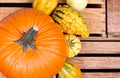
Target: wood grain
60	1
95	19
101	75
113	9
97	62
100	48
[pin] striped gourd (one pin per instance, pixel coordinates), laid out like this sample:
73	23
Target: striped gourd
73	45
70	20
70	70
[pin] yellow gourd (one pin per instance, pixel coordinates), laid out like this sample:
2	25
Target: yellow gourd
70	21
70	70
46	6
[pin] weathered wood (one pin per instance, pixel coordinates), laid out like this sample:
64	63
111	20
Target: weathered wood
100	48
60	1
113	10
97	62
95	19
101	75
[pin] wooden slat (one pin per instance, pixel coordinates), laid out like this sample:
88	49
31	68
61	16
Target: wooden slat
95	19
60	1
89	1
101	75
97	62
96	1
113	18
100	47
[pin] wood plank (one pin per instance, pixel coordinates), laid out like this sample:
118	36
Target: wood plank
97	62
60	1
100	48
95	19
89	1
101	75
113	9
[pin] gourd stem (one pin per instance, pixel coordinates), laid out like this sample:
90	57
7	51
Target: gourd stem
27	41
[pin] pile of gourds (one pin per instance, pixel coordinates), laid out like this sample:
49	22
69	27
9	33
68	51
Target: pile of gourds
37	42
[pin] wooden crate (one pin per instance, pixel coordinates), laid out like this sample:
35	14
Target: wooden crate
113	19
99	57
94	14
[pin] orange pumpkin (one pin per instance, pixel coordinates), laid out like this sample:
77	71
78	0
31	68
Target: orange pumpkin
31	45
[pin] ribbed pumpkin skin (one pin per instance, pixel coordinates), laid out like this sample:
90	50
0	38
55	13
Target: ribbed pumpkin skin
70	20
50	53
70	70
46	6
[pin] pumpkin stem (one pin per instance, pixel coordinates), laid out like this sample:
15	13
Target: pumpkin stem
27	41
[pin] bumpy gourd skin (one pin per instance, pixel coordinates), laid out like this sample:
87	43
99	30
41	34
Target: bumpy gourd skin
70	20
70	70
46	6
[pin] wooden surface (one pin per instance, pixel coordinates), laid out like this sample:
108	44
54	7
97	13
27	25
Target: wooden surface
94	16
60	1
102	49
114	18
97	62
101	75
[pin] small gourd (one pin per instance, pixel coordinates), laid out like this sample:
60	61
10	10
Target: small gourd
70	21
73	45
70	70
46	6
